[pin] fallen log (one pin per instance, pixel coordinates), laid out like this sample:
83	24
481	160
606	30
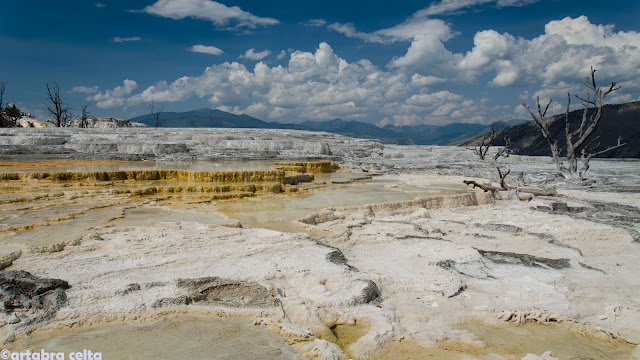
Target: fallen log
493	189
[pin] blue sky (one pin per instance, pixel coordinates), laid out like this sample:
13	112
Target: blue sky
400	62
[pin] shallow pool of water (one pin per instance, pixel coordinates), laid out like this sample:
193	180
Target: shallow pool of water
172	337
279	212
195	165
147	216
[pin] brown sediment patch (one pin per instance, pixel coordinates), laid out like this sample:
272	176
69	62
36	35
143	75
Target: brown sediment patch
512	343
171	337
312	167
52	208
223	177
346	334
412	350
515	342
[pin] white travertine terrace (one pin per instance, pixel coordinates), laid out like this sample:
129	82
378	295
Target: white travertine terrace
418	277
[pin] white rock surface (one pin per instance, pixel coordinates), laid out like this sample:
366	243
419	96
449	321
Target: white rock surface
415	270
181	144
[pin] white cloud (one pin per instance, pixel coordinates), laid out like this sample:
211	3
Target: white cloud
282	55
321	85
563	54
99	5
213	11
211	50
316	22
448	7
85	89
119	39
115	97
350	31
251	54
426	55
312	85
429	80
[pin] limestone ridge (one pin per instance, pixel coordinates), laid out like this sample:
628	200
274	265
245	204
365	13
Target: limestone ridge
106	123
218	184
180	144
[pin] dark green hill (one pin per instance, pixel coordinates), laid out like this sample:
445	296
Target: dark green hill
211	118
617	120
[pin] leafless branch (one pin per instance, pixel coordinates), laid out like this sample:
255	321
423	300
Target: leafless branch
485	143
506	150
502	176
84	118
155	113
3	87
578	141
61	114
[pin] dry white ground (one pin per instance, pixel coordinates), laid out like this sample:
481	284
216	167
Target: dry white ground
382	280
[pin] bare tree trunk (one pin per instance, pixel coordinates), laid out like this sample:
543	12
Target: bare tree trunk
3	87
485	143
506	151
543	125
84	119
578	141
155	113
502	176
56	108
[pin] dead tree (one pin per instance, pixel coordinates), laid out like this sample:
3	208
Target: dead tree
155	113
506	150
3	122
84	118
578	141
56	107
485	143
3	87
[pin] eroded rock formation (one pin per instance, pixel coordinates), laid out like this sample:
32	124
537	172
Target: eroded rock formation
28	299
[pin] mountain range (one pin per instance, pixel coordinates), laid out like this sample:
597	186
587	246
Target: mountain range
451	134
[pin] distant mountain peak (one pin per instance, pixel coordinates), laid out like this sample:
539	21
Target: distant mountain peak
422	134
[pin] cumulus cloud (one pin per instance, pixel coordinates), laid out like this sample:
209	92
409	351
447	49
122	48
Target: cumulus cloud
211	50
312	85
426	55
99	5
119	39
85	89
251	54
217	13
564	53
115	97
440	97
320	85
